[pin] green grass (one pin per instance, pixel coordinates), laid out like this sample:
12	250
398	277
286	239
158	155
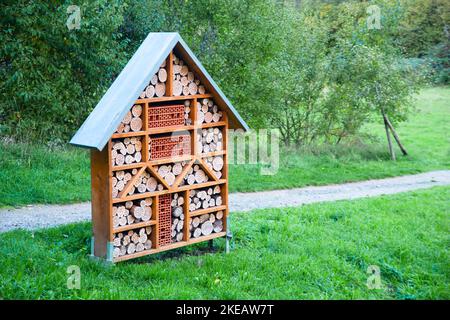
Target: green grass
41	175
38	174
319	251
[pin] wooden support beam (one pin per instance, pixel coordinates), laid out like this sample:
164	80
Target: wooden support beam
394	133
101	200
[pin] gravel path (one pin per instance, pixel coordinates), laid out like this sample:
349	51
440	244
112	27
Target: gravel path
41	216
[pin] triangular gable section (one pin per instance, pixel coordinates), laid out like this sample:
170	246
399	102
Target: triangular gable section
143	181
128	86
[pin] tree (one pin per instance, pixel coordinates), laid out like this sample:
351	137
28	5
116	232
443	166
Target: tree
52	77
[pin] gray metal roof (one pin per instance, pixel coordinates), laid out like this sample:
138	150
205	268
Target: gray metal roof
99	126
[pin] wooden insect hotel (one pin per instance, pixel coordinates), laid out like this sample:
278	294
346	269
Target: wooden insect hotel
158	140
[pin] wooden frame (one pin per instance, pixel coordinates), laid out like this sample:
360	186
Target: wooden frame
102	170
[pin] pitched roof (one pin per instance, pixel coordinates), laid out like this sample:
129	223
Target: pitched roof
98	128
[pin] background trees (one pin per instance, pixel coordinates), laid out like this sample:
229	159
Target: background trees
310	68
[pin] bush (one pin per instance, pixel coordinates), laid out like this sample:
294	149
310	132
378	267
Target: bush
337	75
52	77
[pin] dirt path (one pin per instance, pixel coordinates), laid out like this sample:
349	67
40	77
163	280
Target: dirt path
41	216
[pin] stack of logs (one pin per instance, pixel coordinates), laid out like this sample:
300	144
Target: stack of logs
195	175
207	111
126	151
204	198
145	183
206	224
131	242
184	81
216	165
187	111
177	217
157	85
132	120
120	180
209	140
132	212
170	172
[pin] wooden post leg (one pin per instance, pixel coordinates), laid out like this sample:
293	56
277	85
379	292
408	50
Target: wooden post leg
92	246
109	252
229	236
391	149
211	244
394	133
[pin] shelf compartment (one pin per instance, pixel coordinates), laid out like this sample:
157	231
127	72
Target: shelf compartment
129	214
132	241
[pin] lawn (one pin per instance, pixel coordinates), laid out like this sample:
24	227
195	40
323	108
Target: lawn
37	174
318	251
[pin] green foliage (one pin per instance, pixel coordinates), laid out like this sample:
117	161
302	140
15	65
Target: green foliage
52	77
319	251
424	24
235	40
314	61
337	74
439	58
424	33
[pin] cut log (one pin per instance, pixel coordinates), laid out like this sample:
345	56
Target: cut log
136	124
179	226
150	91
190	179
131	248
120	159
177	211
129	159
160	89
177	88
148	245
154	80
162	75
138	157
190	76
136	110
137	212
170	178
216	117
143	237
163	170
129	204
177	169
127	118
208	117
218	227
184	70
207	228
217	163
184	81
197	232
139	247
131	149
138	145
